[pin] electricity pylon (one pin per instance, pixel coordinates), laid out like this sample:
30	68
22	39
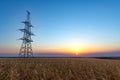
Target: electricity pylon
26	47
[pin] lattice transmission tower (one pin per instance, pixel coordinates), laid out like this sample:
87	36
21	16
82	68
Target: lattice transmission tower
26	47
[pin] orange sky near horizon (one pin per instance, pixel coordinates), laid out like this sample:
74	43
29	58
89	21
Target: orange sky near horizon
74	50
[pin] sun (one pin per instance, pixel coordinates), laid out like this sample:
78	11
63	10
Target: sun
76	51
74	46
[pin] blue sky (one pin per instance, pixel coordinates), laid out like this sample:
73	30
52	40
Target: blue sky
62	24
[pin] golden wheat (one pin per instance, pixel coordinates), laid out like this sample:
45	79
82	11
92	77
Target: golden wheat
59	69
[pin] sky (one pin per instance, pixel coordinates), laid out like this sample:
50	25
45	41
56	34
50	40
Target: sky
75	27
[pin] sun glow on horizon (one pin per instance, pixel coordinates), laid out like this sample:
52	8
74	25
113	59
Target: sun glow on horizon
74	47
76	51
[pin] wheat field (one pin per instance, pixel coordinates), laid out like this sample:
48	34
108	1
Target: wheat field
59	69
